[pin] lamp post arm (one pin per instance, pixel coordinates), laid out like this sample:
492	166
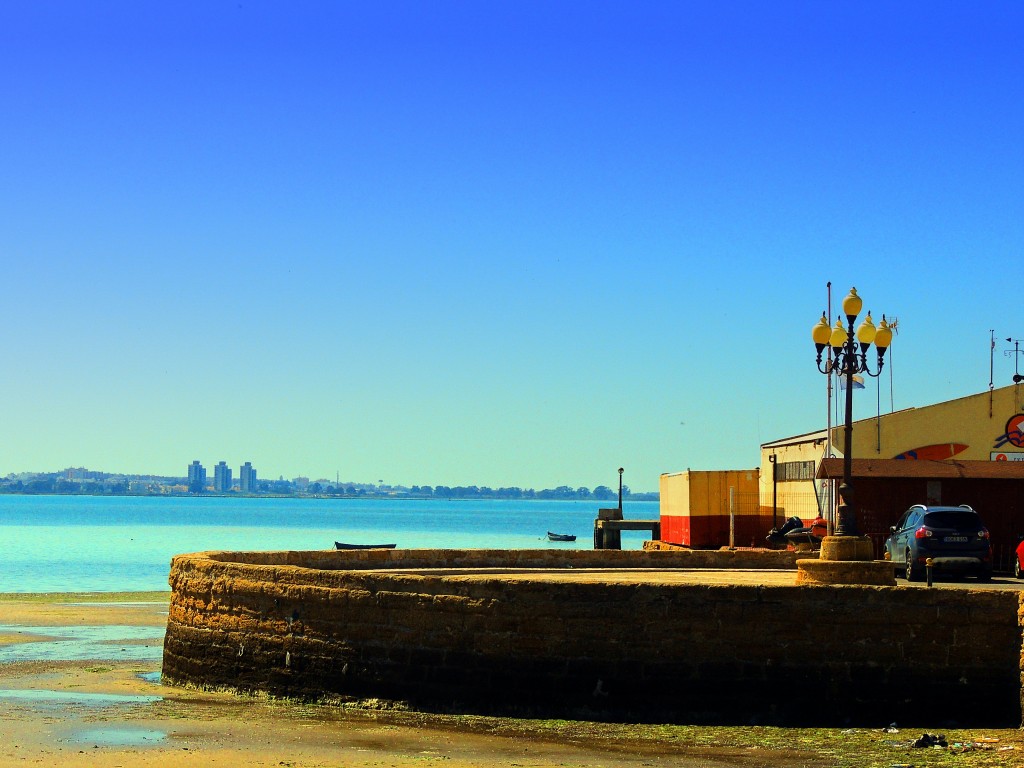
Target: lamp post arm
874	374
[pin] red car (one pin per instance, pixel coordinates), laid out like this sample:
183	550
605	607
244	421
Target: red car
1017	558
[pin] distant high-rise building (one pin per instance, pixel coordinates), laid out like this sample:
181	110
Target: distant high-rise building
196	477
222	477
247	478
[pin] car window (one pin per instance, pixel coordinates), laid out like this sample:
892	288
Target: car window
953	519
912	517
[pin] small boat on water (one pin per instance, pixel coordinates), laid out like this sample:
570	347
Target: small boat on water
343	545
560	536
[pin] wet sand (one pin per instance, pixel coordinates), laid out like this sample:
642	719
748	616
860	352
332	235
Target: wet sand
90	713
100	705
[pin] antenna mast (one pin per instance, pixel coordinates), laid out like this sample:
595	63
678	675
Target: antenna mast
991	354
1016	352
894	325
991	368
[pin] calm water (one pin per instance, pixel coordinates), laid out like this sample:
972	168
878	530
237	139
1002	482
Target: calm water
108	544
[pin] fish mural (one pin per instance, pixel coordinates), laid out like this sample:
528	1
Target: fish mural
937	452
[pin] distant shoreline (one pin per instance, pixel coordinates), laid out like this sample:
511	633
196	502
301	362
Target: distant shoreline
635	497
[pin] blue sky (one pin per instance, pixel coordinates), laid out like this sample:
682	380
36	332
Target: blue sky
491	243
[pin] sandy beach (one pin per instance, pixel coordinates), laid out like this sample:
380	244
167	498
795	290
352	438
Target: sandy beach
94	700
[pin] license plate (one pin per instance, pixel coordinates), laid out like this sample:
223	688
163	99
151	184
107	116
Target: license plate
955	538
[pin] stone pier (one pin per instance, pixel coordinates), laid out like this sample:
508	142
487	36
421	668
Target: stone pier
612	635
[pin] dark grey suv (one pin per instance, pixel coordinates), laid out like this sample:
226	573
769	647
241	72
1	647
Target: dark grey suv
953	537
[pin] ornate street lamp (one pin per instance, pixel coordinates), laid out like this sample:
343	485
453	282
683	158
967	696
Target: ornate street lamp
847	361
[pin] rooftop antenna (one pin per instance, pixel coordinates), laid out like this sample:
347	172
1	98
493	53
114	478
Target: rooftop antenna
894	327
991	371
878	415
991	354
1016	352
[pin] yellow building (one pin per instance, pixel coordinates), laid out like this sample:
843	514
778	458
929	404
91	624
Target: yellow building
711	509
982	427
787	486
964	451
969	450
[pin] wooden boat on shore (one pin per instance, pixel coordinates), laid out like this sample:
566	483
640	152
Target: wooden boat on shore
343	545
560	536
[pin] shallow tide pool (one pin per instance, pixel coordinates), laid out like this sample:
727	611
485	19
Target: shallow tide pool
73	698
83	643
117	737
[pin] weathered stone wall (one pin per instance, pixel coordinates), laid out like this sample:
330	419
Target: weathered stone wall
411	625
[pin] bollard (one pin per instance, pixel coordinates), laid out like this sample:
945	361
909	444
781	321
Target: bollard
928	570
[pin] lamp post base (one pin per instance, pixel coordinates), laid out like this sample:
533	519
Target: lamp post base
847	548
846	560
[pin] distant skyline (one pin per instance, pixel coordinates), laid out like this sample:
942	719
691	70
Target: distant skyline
504	244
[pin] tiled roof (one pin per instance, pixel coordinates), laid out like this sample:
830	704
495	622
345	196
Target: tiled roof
932	470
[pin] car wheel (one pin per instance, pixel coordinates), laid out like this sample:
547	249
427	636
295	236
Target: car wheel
1016	567
913	571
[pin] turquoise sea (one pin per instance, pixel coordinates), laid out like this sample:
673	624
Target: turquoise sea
111	544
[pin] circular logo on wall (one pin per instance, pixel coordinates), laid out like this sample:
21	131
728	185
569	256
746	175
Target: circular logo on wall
1014	434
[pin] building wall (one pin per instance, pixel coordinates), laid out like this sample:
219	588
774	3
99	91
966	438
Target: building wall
786	488
881	501
196	477
695	508
977	422
247	478
321	625
968	428
222	477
